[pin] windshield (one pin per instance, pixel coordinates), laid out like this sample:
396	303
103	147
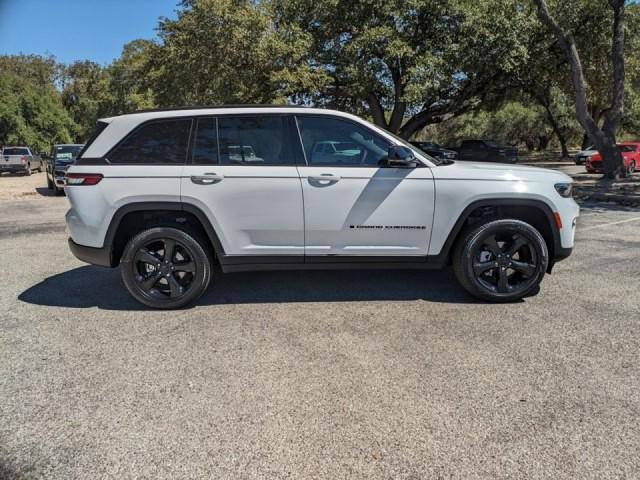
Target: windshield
491	144
15	151
627	148
66	152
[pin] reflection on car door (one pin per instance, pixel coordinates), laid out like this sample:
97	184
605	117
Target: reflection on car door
243	175
353	205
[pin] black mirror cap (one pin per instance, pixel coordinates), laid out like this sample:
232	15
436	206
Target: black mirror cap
400	156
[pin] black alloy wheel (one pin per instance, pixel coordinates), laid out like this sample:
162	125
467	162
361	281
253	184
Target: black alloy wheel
165	268
502	260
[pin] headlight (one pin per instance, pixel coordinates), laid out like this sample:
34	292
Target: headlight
564	189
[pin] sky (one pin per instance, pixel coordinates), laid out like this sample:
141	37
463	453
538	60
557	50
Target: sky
78	29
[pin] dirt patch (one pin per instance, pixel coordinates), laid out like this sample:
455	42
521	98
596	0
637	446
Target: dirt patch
16	187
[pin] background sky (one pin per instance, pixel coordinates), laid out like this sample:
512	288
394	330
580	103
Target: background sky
78	29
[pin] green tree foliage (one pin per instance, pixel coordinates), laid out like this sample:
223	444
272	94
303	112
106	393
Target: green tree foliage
228	51
31	111
420	60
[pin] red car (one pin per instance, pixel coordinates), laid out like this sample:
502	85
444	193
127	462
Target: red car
630	156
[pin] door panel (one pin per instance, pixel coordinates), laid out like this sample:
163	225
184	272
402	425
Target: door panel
254	210
367	211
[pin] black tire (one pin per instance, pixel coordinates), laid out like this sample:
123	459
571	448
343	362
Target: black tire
501	260
28	172
186	272
50	184
57	191
631	168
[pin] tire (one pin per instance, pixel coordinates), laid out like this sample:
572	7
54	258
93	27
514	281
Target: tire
487	266
40	170
50	185
57	191
631	168
172	282
28	171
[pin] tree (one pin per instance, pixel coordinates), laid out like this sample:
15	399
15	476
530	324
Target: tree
604	138
228	51
408	64
31	112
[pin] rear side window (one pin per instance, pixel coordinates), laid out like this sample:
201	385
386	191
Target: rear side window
15	151
254	140
158	142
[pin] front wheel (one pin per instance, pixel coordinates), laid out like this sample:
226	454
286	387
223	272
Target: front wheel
631	168
501	260
165	268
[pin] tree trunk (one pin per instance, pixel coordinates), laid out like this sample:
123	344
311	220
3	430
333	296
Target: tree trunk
557	130
604	139
376	110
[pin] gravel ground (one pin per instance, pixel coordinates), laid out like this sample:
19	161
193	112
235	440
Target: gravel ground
318	374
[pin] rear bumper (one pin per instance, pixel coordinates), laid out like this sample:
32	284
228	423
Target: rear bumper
13	168
94	256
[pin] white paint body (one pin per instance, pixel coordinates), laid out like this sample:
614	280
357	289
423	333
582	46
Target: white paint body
283	210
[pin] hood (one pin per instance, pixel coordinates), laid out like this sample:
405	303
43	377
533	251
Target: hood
586	153
497	171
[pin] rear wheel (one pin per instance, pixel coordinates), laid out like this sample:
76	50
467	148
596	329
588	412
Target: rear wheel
50	184
165	268
28	172
501	260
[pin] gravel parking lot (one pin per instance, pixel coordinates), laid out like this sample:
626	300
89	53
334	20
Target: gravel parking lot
316	374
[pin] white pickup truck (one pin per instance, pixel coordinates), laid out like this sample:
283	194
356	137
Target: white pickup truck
20	160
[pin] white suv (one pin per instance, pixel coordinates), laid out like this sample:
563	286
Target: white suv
169	194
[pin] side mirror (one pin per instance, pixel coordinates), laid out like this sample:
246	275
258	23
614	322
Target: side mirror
399	156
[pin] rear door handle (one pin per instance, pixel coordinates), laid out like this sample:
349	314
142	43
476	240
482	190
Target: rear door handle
207	179
325	177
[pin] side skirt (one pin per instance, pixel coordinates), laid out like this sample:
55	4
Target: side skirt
238	263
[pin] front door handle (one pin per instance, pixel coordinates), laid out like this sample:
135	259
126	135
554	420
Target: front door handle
207	179
325	177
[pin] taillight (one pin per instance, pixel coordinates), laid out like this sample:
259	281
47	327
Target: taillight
82	178
24	159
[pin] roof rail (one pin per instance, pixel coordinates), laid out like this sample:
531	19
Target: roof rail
204	107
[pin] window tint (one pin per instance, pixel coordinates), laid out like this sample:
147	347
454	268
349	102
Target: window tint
254	140
157	142
332	141
15	151
205	149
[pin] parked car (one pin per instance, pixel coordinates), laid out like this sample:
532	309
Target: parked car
630	157
157	194
583	155
436	151
486	151
20	160
57	164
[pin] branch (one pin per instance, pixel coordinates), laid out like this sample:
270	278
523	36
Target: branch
577	73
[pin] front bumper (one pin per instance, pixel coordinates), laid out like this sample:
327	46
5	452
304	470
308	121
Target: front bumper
94	256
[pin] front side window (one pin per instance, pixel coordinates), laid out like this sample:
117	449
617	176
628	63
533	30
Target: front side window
254	140
331	141
157	142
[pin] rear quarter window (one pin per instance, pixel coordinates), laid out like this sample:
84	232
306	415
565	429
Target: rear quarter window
156	142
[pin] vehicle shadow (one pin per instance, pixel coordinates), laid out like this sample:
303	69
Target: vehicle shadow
90	286
45	192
